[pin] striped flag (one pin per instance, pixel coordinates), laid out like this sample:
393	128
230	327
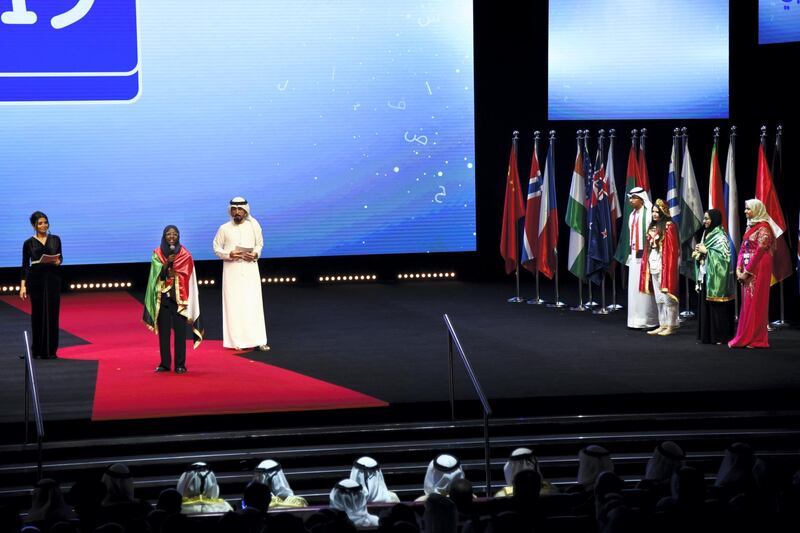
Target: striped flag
613	198
548	218
624	244
731	194
673	192
532	207
576	218
691	211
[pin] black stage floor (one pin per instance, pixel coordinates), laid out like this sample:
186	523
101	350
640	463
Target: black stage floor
389	341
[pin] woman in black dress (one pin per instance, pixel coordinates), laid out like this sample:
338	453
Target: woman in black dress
41	280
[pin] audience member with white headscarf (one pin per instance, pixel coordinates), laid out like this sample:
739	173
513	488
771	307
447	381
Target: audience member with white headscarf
270	473
200	491
592	460
350	497
522	459
367	472
441	472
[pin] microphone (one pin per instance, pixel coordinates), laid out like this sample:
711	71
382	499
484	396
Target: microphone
171	252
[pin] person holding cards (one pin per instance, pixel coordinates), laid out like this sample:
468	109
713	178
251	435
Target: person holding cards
238	243
41	281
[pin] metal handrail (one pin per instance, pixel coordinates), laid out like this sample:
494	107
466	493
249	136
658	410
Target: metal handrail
32	393
452	339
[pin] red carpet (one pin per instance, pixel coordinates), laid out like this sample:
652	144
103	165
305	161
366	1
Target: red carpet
218	381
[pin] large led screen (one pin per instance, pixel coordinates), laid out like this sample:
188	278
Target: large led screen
347	125
628	59
778	21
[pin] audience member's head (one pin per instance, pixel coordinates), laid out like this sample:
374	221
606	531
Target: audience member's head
366	472
607	483
667	458
527	485
86	495
440	514
441	473
399	512
592	460
350	497
736	471
256	496
169	501
622	519
270	473
688	486
198	481
47	503
461	493
119	484
64	527
520	459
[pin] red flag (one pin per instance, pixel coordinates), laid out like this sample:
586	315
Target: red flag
765	191
513	210
716	198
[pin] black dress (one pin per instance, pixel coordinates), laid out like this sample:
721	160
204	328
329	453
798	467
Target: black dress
43	284
715	324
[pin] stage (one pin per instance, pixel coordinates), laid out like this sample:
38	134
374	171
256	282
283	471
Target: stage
372	350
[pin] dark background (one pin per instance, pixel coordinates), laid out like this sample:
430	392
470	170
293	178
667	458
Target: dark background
511	94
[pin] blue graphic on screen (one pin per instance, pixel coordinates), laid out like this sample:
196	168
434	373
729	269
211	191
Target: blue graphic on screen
778	21
628	59
348	126
69	50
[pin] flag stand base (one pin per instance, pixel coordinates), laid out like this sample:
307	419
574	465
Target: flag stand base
601	311
534	301
558	305
516	300
687	315
592	304
778	324
614	308
580	308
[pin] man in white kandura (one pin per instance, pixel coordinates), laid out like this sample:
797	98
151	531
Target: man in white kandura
642	311
238	243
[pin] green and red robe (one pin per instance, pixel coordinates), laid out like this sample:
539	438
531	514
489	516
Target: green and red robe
186	294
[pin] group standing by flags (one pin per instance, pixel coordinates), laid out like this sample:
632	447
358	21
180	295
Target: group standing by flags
655	239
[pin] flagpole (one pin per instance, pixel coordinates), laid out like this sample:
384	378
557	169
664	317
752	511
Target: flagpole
612	134
590	304
732	146
516	299
537	300
687	313
557	303
781	322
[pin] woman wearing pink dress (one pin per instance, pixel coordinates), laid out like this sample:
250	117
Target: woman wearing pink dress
754	271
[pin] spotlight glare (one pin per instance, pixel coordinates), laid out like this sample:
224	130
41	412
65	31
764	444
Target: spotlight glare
294	279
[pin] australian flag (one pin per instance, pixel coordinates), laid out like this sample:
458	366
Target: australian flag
601	246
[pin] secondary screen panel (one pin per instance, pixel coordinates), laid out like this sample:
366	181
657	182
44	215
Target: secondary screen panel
348	126
778	21
628	59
